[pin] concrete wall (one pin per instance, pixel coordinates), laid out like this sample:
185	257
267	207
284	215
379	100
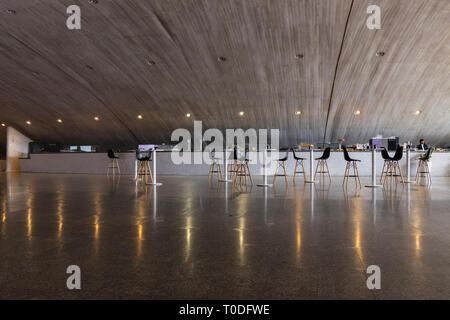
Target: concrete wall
16	147
96	163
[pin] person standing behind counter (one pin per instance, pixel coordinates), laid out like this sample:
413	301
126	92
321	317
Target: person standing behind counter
422	145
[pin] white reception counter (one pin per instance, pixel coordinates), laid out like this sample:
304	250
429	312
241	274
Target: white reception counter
96	163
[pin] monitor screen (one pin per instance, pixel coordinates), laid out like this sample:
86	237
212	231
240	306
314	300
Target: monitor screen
86	148
73	148
146	147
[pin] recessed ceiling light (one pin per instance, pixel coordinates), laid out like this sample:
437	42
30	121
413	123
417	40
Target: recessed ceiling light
221	59
151	63
357	112
96	118
417	112
11	11
298	112
299	56
59	120
3	125
188	115
28	122
241	113
140	116
380	53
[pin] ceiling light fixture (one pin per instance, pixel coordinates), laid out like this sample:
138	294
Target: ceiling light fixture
93	1
59	120
298	112
28	122
241	113
140	116
380	53
357	112
417	112
299	56
221	59
96	118
11	11
3	125
188	115
151	63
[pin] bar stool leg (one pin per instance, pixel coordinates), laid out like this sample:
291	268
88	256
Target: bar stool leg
387	172
428	172
285	174
117	164
317	168
357	174
345	173
328	170
382	171
295	170
249	174
303	169
276	172
418	170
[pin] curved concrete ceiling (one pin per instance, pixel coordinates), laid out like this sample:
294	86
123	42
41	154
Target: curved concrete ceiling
50	72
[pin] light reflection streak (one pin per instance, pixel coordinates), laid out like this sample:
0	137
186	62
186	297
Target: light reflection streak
29	223
188	237
98	213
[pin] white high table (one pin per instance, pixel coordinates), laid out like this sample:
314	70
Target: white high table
155	183
374	171
225	160
311	166
265	184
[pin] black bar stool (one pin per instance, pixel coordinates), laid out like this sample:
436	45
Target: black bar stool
423	163
242	168
215	166
144	159
387	161
350	163
298	161
281	162
113	162
322	162
393	166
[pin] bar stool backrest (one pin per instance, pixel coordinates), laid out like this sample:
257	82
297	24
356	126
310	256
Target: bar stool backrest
398	154
285	152
346	155
385	155
427	155
326	154
143	155
235	153
293	152
111	154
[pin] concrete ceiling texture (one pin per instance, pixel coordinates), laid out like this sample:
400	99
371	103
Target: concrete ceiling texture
161	59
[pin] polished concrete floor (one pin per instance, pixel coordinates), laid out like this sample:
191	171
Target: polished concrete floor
190	239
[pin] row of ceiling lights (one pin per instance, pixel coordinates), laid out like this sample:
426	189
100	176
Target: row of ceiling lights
188	115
